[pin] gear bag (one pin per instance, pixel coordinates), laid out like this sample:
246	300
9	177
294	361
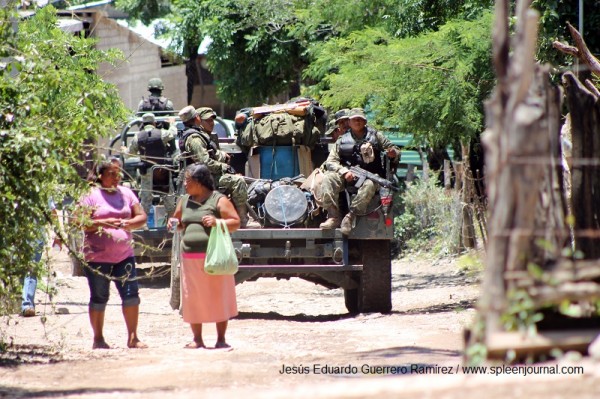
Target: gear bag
279	129
154	103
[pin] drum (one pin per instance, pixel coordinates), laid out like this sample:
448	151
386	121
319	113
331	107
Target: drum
286	206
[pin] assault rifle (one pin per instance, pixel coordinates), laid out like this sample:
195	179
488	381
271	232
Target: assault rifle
362	174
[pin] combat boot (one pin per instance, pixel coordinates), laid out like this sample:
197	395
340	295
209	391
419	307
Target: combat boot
246	222
348	223
333	219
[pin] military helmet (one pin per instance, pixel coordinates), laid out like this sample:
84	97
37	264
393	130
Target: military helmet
155	84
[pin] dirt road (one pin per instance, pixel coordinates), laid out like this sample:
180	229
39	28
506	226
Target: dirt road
292	339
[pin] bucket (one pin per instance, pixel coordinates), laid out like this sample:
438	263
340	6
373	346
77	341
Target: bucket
278	162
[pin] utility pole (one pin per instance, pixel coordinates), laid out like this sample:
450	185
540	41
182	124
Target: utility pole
581	17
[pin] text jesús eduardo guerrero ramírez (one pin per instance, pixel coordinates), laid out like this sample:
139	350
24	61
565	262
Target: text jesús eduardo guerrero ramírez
367	369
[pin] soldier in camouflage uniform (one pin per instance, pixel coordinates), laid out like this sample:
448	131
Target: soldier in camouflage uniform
156	102
199	145
363	146
151	143
338	125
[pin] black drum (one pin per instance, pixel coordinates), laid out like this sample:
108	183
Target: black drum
286	206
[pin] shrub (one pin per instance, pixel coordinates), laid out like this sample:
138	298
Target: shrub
428	219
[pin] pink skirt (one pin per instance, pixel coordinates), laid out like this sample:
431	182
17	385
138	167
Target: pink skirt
205	298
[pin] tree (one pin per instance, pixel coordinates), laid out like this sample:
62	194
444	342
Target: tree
554	16
260	47
432	85
51	104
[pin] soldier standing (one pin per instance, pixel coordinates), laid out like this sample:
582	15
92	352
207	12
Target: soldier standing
156	102
153	146
197	145
362	146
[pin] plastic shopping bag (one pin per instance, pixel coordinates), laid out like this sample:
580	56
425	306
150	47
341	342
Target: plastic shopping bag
220	253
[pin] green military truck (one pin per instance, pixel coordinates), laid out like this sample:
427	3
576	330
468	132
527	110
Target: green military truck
289	244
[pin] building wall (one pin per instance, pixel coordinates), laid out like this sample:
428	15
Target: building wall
142	63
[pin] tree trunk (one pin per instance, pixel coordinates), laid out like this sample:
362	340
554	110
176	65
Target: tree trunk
517	153
584	111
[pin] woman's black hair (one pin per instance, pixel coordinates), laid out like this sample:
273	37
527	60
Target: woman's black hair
200	173
103	165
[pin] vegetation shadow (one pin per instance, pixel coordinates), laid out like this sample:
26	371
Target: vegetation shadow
15	392
300	317
441	308
154	277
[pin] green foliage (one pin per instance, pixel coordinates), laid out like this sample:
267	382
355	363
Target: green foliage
521	314
427	219
433	85
554	15
51	104
260	47
146	10
252	54
471	262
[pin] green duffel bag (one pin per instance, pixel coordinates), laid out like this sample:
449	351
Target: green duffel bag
279	129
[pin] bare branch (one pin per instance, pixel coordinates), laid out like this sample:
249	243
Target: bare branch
586	56
565	48
590	86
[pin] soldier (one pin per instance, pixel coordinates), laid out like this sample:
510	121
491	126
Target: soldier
338	125
197	145
156	102
363	146
155	146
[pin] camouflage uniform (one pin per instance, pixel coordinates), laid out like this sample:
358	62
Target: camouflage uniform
216	160
337	166
146	181
233	185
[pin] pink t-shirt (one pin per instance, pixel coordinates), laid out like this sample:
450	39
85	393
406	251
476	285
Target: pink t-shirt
109	245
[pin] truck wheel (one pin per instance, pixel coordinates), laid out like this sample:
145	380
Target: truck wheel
375	287
175	301
351	300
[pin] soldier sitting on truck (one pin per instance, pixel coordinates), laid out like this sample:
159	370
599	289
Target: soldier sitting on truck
340	124
156	147
360	146
197	145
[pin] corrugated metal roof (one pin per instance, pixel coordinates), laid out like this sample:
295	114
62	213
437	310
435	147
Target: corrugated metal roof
90	5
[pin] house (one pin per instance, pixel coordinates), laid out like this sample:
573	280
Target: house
144	59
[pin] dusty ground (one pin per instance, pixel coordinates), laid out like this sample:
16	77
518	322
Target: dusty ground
281	324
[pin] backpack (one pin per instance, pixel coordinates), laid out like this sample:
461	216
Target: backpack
154	103
292	127
315	110
279	129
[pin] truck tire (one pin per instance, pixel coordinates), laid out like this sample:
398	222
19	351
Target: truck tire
175	301
375	287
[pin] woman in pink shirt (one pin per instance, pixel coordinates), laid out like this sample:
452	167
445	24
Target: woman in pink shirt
111	211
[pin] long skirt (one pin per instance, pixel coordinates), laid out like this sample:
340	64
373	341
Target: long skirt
205	298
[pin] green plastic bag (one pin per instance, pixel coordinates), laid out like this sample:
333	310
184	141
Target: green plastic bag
220	253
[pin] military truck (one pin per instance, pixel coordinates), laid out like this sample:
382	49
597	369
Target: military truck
289	244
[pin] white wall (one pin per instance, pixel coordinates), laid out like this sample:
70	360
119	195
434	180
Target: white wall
142	63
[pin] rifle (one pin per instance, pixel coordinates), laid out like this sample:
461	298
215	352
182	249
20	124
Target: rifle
362	174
